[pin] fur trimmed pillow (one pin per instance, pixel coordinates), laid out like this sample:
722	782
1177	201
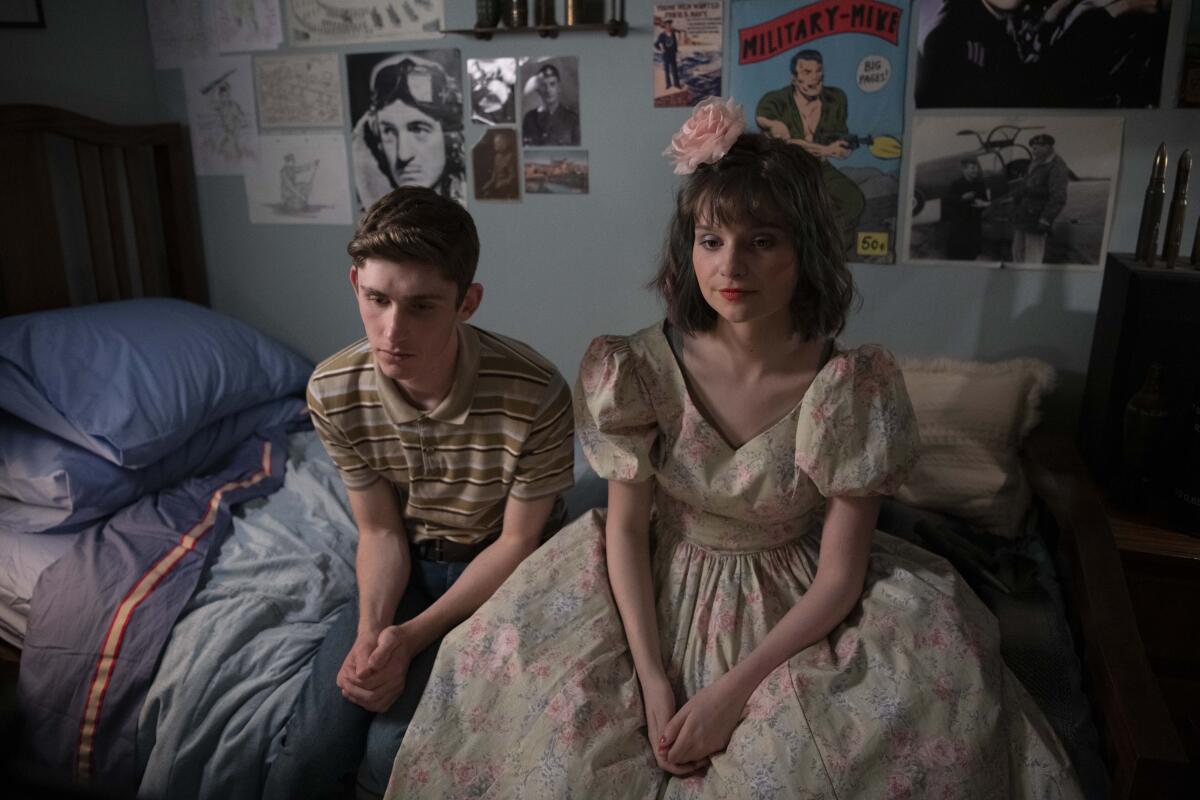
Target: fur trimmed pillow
973	417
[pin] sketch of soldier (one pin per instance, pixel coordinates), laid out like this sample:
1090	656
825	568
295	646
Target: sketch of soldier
229	114
293	190
243	10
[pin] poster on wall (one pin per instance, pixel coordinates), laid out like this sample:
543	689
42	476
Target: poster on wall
325	22
407	112
180	32
494	165
300	180
1021	190
247	25
828	76
1040	53
302	91
687	52
1189	85
493	90
550	101
220	104
556	172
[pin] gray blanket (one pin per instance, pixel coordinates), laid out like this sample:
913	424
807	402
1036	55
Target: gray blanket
237	658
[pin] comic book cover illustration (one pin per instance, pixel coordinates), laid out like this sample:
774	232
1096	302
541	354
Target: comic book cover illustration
828	76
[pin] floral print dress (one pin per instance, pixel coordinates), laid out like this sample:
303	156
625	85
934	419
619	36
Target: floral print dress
535	695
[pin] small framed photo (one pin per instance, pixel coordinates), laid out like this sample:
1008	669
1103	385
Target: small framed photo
21	14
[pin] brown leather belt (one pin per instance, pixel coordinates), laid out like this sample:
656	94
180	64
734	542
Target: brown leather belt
448	551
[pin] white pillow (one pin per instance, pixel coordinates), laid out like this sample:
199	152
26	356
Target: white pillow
973	417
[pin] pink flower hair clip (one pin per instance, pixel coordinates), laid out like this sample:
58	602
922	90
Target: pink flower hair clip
708	134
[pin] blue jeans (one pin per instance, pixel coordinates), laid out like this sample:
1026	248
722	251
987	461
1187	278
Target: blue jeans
327	736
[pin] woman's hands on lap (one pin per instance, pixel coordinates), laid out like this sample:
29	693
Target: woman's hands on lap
658	699
705	723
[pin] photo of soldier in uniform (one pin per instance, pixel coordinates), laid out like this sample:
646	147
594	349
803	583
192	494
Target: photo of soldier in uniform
1040	53
407	110
550	99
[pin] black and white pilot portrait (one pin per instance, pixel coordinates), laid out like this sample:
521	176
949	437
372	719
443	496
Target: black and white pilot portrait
408	123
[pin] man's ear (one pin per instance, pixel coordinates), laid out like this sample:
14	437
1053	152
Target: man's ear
471	301
354	278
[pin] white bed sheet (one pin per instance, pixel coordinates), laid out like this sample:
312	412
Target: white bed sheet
23	557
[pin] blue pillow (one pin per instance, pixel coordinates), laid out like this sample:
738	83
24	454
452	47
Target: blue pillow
133	380
50	485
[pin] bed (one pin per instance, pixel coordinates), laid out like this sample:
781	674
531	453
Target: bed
163	641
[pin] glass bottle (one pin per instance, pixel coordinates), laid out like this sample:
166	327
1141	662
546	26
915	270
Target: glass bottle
1143	435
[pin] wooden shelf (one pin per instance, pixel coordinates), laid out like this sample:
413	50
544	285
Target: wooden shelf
1150	535
614	27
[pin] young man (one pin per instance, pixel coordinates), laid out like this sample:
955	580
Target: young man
1037	200
552	122
455	445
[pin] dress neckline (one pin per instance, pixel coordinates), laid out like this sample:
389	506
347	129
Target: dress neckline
672	341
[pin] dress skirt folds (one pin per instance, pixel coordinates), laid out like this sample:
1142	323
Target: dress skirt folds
535	695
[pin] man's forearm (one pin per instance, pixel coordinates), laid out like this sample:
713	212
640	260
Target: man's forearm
478	582
382	567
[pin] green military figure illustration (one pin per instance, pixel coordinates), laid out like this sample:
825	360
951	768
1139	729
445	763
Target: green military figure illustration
812	115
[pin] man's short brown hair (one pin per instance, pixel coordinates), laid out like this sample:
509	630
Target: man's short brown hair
415	224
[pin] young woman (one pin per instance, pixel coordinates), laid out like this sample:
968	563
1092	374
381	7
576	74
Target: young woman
733	626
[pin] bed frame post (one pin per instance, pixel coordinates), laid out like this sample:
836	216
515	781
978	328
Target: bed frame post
32	273
1146	756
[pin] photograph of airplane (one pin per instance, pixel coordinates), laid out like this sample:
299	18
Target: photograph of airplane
982	186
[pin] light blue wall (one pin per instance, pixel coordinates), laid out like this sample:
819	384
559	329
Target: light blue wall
92	57
558	271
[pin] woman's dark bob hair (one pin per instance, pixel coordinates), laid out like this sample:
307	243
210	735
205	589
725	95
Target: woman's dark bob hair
761	181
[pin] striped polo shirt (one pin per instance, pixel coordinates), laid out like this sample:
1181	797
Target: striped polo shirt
505	428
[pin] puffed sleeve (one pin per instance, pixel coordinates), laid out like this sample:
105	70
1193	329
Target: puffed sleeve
614	418
857	434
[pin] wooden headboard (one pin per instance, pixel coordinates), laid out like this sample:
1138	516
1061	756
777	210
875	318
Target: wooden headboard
91	212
